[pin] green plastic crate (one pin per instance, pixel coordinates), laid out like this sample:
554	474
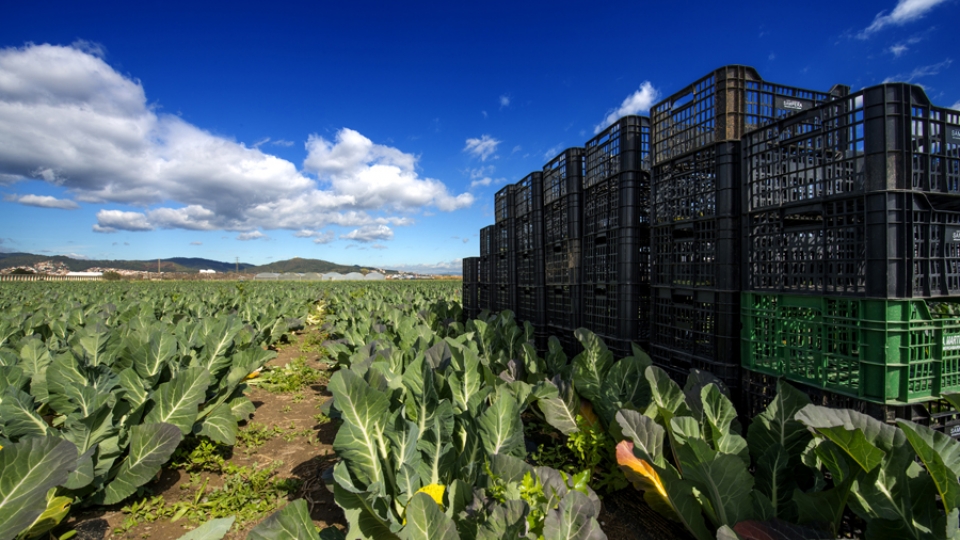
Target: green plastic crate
883	351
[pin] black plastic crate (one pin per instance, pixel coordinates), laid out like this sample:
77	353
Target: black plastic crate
624	146
506	269
886	137
622	200
678	364
471	270
722	106
697	328
488	269
701	185
488	240
530	269
562	263
617	256
507	297
563	307
896	244
532	305
616	312
568	341
469	297
504	203
528	195
702	254
562	219
487	297
506	237
759	390
563	175
528	232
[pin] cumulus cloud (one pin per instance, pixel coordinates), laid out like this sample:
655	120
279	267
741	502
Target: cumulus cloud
904	12
252	235
69	119
638	102
319	237
369	233
110	221
367	176
920	72
483	148
43	201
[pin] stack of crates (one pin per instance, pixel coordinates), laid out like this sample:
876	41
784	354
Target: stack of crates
851	256
471	284
489	253
562	213
528	235
696	214
506	260
616	235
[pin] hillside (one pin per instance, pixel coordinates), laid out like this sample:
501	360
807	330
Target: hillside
179	264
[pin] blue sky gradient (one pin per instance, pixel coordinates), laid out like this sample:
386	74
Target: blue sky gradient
370	134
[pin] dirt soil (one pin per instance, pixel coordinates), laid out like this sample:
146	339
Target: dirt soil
625	516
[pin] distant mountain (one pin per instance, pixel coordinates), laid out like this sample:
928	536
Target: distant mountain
180	264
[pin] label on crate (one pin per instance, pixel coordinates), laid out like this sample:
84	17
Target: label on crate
953	135
951	234
792	104
951	343
955	431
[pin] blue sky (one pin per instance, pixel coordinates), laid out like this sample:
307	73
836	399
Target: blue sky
364	132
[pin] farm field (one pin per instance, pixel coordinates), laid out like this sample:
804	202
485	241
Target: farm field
373	410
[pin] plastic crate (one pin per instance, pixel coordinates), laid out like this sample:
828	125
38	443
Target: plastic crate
562	263
469	296
622	200
882	245
471	269
488	270
678	364
624	146
702	254
617	256
701	185
886	137
563	175
528	195
488	240
504	204
702	326
884	351
722	106
506	237
507	297
530	269
532	306
487	297
616	312
528	232
563	306
506	269
759	390
562	219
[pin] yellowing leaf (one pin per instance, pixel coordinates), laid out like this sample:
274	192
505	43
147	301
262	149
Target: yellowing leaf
586	411
435	491
644	477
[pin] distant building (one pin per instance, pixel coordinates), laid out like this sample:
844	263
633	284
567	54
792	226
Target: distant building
208	271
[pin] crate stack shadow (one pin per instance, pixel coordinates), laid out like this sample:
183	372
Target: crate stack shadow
696	215
851	243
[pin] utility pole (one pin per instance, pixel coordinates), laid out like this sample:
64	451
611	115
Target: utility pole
158	266
238	265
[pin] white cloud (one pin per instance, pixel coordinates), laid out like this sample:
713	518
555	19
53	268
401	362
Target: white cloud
110	221
956	106
370	176
196	243
378	246
486	181
369	233
444	267
319	237
69	119
898	49
43	201
904	12
504	101
252	235
465	240
552	152
638	102
920	72
483	148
